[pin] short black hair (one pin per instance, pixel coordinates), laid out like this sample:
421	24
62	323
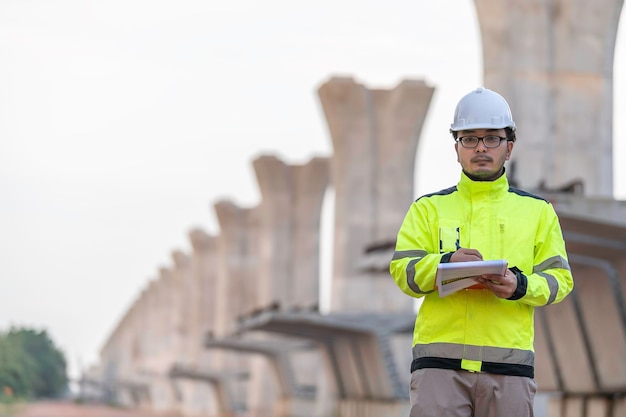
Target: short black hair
510	134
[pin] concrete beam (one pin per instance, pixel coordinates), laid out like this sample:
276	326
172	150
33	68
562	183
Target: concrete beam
600	210
352	345
226	405
139	392
572	336
277	353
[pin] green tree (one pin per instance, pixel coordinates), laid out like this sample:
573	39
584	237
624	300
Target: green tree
14	372
31	365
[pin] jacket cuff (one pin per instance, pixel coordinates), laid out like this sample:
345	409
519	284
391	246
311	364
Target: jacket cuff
446	258
522	284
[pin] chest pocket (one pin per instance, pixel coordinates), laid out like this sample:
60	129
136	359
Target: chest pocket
450	233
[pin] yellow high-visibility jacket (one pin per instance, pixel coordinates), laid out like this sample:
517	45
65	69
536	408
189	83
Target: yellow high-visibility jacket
473	329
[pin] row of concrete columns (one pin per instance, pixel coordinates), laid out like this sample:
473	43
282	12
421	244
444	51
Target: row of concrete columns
189	322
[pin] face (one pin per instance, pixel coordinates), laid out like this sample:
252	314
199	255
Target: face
482	163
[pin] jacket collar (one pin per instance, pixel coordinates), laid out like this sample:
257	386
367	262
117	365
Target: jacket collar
475	188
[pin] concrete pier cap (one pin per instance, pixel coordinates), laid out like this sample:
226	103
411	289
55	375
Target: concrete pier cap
180	258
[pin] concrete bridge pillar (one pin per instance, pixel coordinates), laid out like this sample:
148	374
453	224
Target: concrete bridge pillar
291	205
168	341
192	398
204	266
173	317
290	212
238	283
187	308
140	350
375	135
153	326
238	266
553	62
204	274
123	342
123	355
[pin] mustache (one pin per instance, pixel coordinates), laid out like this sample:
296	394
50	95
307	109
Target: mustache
482	158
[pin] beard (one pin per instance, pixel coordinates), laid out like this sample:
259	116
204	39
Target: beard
485	173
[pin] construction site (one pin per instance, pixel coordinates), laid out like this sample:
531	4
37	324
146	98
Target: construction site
235	328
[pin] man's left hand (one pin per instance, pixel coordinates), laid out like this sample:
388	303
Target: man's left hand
501	286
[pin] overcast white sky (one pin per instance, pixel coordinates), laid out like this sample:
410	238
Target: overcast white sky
123	121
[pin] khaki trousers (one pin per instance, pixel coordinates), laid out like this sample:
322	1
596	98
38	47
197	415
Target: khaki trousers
451	393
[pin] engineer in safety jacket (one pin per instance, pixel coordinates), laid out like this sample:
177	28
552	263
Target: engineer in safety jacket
473	349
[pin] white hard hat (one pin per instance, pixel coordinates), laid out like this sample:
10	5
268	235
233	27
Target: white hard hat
482	109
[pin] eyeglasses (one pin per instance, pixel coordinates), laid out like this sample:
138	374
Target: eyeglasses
488	141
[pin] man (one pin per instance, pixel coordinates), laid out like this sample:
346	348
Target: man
473	350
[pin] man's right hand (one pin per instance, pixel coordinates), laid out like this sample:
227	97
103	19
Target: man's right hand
466	255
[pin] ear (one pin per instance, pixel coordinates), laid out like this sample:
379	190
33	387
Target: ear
456	149
509	150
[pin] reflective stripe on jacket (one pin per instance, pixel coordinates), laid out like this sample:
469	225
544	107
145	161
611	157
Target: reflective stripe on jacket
472	329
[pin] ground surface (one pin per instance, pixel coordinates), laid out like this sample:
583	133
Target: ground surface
69	409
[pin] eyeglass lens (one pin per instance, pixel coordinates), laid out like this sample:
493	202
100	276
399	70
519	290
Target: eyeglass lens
488	141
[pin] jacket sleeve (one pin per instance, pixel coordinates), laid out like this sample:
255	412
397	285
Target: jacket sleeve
551	279
414	263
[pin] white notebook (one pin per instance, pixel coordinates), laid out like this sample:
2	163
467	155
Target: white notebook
454	276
